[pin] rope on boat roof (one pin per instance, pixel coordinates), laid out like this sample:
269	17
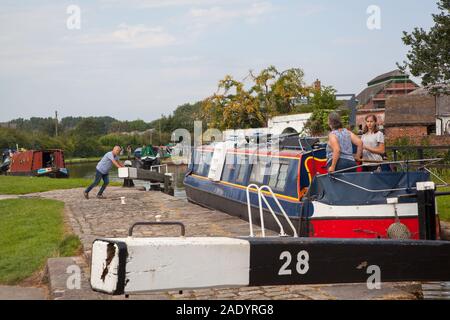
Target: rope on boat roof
371	190
433	160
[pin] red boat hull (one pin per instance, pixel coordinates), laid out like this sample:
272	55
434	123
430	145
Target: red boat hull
360	228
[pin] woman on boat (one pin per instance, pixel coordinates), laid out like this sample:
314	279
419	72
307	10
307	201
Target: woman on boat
373	144
340	146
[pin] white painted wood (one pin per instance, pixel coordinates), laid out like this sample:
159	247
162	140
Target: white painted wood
99	265
322	210
217	161
128	173
156	264
428	185
391	200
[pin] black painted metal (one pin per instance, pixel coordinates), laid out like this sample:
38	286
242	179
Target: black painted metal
166	223
427	214
128	183
347	260
121	271
154	177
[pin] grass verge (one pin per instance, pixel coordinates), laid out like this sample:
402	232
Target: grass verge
89	160
31	231
23	185
444	206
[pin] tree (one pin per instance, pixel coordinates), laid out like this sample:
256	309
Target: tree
45	125
429	55
128	126
232	107
91	127
323	101
279	92
185	115
272	93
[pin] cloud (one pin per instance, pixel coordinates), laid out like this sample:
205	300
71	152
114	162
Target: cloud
134	36
349	41
169	3
202	18
180	60
311	9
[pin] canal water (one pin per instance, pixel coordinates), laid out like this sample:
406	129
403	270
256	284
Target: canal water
87	171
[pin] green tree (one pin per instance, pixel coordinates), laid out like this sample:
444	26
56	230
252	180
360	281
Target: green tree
87	147
90	127
429	55
324	98
279	92
35	124
10	137
232	107
271	93
323	101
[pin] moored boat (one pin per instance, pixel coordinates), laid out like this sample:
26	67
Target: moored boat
40	163
6	161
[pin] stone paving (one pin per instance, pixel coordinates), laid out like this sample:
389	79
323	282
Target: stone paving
21	293
94	218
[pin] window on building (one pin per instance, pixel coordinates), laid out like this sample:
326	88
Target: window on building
431	129
379	104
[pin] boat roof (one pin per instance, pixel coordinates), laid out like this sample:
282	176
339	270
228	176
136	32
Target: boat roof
260	151
42	150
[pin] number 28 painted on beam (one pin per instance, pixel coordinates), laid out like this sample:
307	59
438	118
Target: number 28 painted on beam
301	265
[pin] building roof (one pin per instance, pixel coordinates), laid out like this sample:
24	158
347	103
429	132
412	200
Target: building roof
377	84
387	76
435	89
370	92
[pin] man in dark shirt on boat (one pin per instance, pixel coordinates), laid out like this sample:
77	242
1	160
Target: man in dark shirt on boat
102	171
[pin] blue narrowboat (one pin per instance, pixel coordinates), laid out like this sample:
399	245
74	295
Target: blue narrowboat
228	177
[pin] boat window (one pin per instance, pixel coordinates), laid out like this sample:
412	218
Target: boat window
196	160
259	171
243	168
230	167
204	163
278	177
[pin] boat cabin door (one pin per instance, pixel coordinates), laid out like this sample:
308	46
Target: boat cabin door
48	159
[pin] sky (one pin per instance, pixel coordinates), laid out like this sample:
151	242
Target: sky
133	59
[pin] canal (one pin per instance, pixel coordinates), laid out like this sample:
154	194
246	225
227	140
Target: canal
87	171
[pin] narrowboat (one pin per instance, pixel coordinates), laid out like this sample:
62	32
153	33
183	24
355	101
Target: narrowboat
293	181
6	161
147	156
40	163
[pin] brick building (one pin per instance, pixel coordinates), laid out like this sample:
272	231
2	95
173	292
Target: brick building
418	115
412	115
372	100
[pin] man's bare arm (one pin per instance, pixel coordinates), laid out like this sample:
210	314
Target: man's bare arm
118	164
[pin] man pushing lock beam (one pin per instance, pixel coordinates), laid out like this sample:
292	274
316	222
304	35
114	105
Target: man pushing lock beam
102	171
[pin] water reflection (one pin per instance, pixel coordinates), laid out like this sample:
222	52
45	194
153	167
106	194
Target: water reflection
87	171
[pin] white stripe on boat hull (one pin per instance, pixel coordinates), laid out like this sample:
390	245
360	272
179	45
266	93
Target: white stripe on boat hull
322	210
